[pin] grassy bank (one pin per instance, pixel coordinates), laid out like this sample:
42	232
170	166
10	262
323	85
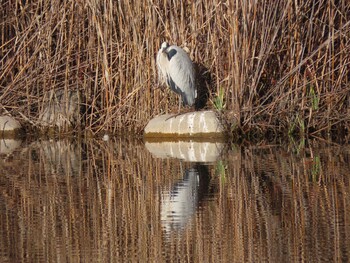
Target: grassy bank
275	66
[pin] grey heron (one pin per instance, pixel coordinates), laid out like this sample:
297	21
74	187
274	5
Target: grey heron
175	68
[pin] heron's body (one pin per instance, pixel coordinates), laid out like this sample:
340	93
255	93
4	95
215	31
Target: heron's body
176	69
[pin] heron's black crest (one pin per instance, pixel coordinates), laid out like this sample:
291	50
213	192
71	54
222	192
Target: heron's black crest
171	53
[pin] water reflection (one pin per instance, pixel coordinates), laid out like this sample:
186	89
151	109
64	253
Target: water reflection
7	146
70	200
179	203
190	151
60	157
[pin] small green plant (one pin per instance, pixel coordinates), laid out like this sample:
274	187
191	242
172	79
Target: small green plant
316	169
315	99
298	145
219	100
291	129
298	122
220	170
301	124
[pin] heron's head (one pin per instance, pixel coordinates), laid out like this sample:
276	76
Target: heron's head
164	46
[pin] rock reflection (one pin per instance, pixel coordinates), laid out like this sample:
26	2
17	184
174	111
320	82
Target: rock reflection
7	146
59	157
190	151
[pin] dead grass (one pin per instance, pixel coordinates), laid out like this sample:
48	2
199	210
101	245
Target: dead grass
284	65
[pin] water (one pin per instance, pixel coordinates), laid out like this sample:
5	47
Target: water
125	201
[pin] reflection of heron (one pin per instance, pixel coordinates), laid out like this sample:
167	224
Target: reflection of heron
176	69
179	204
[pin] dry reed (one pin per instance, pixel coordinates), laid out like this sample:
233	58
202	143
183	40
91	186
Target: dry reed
284	65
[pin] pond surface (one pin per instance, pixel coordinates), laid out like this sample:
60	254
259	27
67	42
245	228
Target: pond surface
126	201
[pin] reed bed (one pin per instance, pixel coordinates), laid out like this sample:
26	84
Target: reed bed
282	66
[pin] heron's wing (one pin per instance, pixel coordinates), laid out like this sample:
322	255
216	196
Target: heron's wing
180	69
181	72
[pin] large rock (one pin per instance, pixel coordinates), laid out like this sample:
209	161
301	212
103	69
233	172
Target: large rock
9	125
192	124
60	109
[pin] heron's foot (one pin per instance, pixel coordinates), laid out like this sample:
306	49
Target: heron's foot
183	110
174	116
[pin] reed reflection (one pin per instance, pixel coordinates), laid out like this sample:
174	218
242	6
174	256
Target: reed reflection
110	201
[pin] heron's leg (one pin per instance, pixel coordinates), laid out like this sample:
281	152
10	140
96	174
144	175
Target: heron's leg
179	111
